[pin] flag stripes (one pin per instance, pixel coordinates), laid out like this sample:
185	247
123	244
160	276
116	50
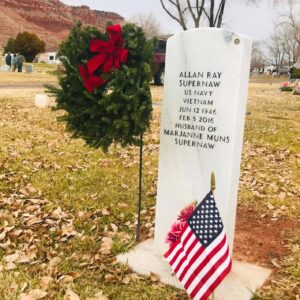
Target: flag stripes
200	268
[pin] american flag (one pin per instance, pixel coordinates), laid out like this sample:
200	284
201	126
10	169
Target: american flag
201	257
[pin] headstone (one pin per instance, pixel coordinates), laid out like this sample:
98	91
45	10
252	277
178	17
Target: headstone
4	68
206	82
204	107
29	68
41	101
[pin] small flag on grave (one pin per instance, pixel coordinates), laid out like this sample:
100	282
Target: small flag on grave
199	252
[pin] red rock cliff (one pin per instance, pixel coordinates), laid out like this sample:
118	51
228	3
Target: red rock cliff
51	20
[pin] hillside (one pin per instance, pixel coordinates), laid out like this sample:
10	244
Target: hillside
51	20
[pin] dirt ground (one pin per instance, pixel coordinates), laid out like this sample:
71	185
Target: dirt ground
260	240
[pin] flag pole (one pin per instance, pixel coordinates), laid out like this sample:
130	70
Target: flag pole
212	182
212	188
138	227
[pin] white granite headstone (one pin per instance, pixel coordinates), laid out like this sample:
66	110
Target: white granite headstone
41	101
29	68
206	83
206	80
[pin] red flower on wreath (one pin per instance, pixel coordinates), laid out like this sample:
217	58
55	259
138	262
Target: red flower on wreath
110	56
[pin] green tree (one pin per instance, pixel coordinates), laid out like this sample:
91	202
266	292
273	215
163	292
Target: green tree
29	45
10	45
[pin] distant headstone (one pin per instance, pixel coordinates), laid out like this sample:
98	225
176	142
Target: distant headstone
29	69
4	68
41	101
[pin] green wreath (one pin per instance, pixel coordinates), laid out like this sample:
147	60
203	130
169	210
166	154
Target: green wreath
104	87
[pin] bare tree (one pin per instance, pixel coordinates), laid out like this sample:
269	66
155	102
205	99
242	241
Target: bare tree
289	37
149	23
284	44
276	48
290	27
208	12
258	58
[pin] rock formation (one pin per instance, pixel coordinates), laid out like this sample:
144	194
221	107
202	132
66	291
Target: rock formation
51	20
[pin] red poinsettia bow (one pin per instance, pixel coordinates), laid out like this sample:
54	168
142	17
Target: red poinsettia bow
110	56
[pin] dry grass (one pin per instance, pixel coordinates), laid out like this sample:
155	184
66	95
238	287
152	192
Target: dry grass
41	75
97	195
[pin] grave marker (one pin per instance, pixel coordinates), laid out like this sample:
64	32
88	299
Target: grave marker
204	106
207	74
29	68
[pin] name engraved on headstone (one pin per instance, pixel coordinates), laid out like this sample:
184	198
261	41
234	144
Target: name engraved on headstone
196	124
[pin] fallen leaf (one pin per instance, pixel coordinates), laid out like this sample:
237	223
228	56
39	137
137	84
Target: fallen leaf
154	277
11	258
105	212
66	279
126	280
10	266
106	245
109	277
45	282
2	236
53	265
275	263
34	295
70	295
34	220
98	296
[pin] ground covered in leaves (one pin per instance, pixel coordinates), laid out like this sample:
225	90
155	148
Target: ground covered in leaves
66	210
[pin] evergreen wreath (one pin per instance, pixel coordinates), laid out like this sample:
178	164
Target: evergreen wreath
104	87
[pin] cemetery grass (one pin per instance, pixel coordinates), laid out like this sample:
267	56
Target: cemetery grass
66	210
42	74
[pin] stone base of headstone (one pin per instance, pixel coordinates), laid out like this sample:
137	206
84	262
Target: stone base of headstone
242	282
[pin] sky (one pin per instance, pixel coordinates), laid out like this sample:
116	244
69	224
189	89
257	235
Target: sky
256	21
